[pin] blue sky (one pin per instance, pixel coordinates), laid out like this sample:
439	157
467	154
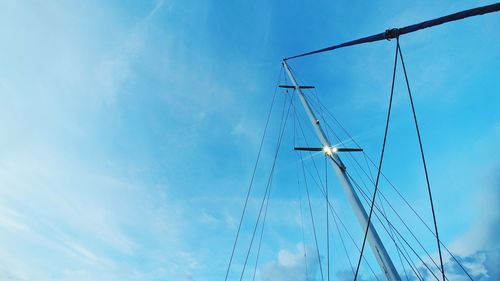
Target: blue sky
128	130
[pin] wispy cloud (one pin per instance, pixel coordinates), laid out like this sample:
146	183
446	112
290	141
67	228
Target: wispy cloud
67	212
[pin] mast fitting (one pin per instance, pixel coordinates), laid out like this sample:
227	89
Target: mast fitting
391	33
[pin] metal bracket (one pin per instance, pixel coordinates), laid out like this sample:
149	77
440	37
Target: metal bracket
293	87
391	33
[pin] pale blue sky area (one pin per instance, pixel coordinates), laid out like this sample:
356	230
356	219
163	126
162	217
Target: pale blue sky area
129	130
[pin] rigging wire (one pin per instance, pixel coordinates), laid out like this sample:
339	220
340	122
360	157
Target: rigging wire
260	239
253	174
299	190
382	205
350	154
325	194
320	186
327	220
267	194
380	165
367	165
410	261
390	226
335	214
327	200
334	219
390	233
367	157
302	226
383	212
267	201
312	217
423	160
395	33
268	187
398	193
343	244
409	230
425	224
365	197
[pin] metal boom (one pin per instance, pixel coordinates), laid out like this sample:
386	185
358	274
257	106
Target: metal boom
376	244
396	32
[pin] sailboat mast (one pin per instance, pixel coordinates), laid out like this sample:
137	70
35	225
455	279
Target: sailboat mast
374	241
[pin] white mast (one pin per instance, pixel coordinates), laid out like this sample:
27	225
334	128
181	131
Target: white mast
376	244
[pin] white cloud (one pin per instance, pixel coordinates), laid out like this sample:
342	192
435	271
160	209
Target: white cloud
481	266
291	265
483	234
478	249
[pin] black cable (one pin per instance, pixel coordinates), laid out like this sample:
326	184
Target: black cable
409	230
401	219
390	225
384	214
299	192
366	157
310	153
391	234
342	223
322	190
401	196
421	220
302	225
367	165
410	261
493	7
350	154
356	170
311	209
253	175
268	187
319	184
327	220
343	243
312	217
405	255
423	160
260	238
266	208
380	165
365	196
